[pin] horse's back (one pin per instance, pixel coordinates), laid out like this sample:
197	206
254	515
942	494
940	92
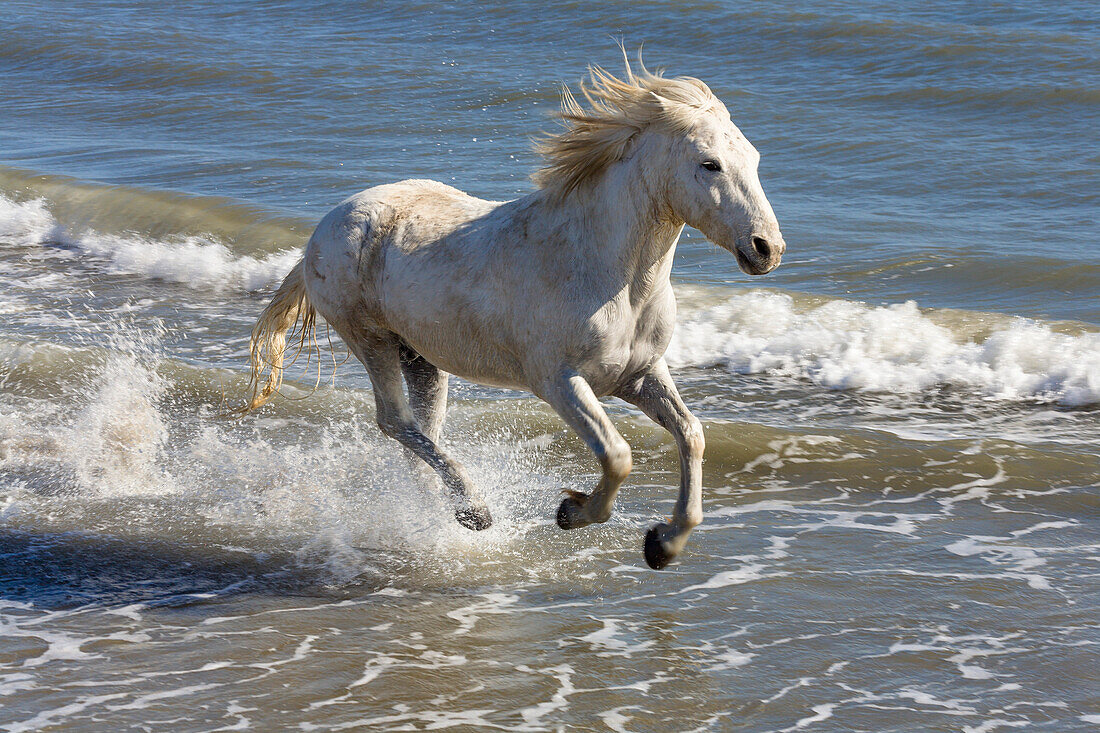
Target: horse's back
347	254
414	259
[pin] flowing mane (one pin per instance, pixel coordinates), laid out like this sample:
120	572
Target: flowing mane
618	109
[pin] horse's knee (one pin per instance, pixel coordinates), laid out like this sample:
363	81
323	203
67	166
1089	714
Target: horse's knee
616	460
388	427
694	441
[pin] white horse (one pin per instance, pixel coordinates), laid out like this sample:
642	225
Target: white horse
564	293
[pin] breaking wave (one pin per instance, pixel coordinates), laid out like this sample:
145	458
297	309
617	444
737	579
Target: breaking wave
896	348
198	260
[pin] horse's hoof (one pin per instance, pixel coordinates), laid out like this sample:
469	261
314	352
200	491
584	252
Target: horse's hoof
571	510
656	556
476	518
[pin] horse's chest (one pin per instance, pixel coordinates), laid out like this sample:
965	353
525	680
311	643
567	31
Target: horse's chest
624	342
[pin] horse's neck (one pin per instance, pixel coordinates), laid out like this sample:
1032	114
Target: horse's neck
619	231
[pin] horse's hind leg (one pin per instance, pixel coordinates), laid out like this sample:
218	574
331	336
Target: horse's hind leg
395	418
427	392
573	399
427	388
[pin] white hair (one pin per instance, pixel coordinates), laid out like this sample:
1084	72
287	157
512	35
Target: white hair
596	135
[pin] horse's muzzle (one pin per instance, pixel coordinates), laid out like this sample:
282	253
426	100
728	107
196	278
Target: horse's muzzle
760	256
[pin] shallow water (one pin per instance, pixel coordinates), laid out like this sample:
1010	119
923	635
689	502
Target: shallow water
902	497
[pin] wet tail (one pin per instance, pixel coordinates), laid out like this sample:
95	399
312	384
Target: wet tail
268	343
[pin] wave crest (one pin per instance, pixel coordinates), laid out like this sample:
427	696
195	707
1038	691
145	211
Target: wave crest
895	348
199	261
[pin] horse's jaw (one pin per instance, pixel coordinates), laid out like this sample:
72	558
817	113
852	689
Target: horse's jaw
758	251
752	237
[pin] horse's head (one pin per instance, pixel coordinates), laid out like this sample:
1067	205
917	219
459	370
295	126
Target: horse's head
712	184
676	138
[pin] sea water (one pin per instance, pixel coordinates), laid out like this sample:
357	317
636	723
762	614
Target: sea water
901	499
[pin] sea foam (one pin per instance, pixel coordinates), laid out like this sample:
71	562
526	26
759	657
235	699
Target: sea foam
895	348
199	261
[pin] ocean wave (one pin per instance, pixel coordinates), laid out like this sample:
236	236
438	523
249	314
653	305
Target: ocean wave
195	260
839	344
896	348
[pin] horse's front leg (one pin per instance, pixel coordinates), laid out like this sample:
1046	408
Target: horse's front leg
574	400
656	396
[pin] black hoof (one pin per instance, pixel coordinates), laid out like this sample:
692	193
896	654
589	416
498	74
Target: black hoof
655	555
569	511
475	519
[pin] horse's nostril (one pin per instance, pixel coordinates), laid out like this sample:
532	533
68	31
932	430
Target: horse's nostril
761	246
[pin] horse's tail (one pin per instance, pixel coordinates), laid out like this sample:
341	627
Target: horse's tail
268	343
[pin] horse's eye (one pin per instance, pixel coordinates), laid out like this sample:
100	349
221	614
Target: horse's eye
711	165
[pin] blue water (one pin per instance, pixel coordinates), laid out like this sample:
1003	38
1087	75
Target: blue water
953	141
901	483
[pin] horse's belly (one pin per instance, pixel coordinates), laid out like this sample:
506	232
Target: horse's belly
487	367
459	346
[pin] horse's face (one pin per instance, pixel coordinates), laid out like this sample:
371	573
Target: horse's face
714	187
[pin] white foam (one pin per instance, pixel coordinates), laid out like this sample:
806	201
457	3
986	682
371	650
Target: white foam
146	700
116	435
821	712
194	261
16	682
1008	552
373	668
951	707
905	524
117	441
490	603
534	714
839	345
745	574
896	348
59	645
197	261
965	651
730	660
993	724
614	718
610	643
27	223
56	715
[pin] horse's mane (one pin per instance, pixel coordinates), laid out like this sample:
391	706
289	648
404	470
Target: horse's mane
596	136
